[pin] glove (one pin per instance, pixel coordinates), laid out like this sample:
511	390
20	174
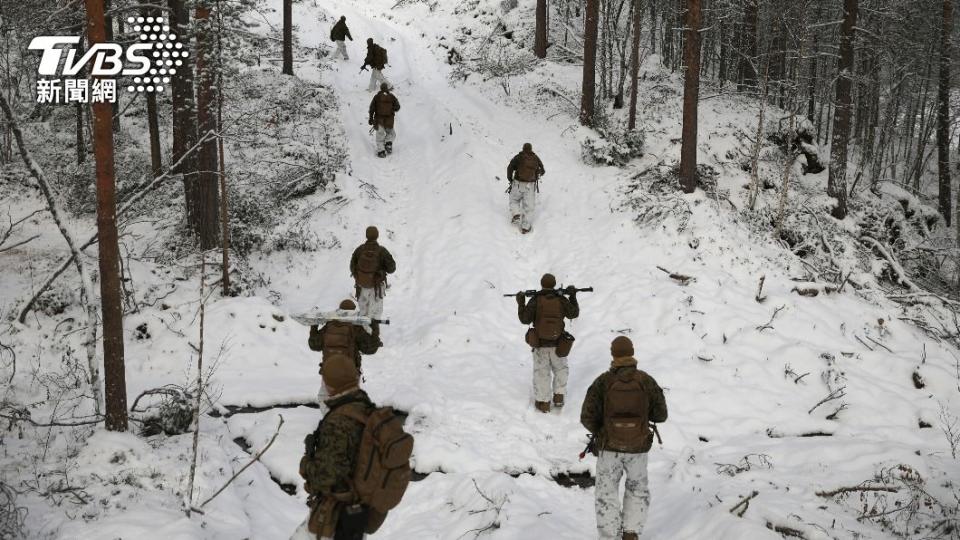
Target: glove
571	291
375	327
521	299
370	121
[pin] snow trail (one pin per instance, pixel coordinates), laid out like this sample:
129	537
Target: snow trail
455	357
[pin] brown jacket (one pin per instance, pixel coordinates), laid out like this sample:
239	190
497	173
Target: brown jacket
525	167
383	108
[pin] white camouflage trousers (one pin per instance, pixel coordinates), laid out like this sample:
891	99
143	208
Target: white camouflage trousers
376	78
612	519
368	304
523	200
547	363
341	50
384	136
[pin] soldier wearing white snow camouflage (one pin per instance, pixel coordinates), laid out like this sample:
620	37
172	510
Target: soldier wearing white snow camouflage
617	411
548	340
524	174
369	267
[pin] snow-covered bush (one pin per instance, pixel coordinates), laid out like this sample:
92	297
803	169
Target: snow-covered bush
655	199
614	147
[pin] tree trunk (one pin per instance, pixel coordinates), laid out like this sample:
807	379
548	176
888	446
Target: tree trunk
288	37
224	215
153	122
943	112
185	119
837	179
209	207
748	57
110	296
540	37
588	95
635	63
691	97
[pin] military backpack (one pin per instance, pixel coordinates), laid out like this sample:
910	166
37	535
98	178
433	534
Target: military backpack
368	266
626	413
379	56
383	460
548	322
384	106
528	167
339	339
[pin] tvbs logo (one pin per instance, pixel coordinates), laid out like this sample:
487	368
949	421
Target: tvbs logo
145	66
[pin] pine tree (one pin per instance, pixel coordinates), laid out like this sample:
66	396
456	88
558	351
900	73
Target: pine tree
837	179
591	29
540	36
288	37
943	111
115	393
691	96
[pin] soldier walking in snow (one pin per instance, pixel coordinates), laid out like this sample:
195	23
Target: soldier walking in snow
383	109
617	411
546	310
345	338
369	267
377	59
338	34
342	338
350	493
524	174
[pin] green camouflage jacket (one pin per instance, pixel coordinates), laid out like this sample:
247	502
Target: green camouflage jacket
330	455
591	414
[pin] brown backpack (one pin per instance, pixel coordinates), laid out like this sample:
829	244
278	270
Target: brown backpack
626	413
528	167
368	267
339	339
383	460
379	56
384	106
548	323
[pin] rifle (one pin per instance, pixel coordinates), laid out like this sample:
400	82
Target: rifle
657	433
363	68
319	319
560	290
590	448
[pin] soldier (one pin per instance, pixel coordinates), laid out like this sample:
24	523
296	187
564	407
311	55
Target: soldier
547	338
369	267
356	464
377	59
338	33
343	338
524	174
331	458
383	108
618	409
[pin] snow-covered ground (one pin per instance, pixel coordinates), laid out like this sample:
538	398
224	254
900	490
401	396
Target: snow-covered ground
739	386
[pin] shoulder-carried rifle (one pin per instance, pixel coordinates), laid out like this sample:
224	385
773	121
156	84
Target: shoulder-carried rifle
560	290
320	318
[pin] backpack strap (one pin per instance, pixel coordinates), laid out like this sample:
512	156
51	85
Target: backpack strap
351	411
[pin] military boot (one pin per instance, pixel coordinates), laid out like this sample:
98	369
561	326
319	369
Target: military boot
558	400
630	536
543	406
516	218
389	147
382	154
